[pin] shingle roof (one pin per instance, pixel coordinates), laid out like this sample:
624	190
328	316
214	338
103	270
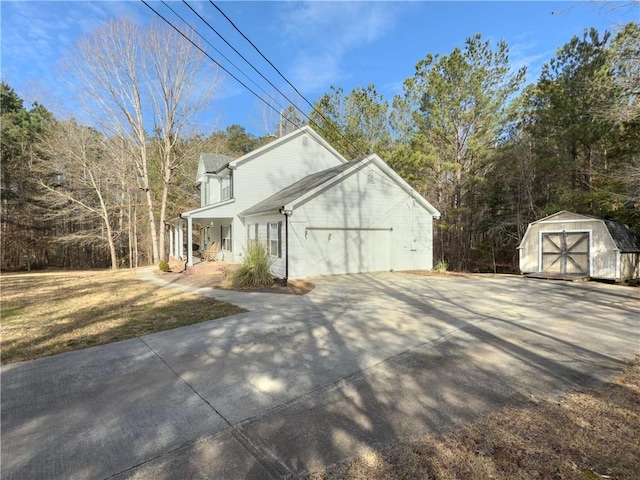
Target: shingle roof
214	162
296	190
625	239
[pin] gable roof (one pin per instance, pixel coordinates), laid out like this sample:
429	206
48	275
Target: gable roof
214	162
294	191
310	184
625	239
306	129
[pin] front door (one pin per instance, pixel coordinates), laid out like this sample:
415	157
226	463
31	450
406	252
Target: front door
565	252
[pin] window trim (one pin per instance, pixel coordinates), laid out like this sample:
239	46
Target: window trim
223	238
252	229
278	239
226	188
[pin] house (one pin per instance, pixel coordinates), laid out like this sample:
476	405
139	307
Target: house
567	243
316	212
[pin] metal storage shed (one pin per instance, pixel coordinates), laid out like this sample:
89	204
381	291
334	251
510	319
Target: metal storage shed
571	244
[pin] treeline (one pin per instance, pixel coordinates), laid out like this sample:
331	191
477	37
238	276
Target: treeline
83	196
492	154
489	152
71	196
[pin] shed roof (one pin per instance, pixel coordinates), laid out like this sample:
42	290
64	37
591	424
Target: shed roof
296	190
625	239
214	162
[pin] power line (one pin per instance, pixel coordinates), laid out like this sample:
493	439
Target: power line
261	54
220	53
343	137
208	56
262	75
314	109
349	144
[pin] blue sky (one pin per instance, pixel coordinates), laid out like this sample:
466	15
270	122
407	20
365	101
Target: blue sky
315	44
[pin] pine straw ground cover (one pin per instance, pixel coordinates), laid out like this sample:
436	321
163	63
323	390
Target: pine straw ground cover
52	312
588	435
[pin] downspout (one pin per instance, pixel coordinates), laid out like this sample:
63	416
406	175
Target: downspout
287	214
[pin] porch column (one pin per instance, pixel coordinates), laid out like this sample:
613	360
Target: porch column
171	229
190	240
180	240
176	239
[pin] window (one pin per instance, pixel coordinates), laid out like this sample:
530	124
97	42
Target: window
252	234
225	237
274	233
225	188
205	191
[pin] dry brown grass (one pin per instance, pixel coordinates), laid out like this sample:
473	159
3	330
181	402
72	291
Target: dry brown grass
52	312
594	434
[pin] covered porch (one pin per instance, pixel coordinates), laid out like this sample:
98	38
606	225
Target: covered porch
193	239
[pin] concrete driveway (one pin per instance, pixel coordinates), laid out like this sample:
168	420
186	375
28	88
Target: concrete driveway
302	382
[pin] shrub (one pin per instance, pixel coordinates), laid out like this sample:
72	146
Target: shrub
441	266
255	270
164	267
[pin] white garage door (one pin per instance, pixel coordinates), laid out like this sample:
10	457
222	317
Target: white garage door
336	251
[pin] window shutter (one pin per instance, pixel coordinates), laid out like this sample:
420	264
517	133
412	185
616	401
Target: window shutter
222	245
269	237
256	233
230	238
279	239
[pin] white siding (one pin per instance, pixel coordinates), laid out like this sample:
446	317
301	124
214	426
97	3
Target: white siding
278	267
262	176
364	201
629	266
603	252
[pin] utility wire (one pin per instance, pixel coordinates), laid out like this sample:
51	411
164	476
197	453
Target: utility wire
244	85
344	140
263	76
261	54
220	53
349	144
208	56
223	68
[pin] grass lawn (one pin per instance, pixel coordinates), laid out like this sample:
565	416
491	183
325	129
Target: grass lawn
587	435
52	312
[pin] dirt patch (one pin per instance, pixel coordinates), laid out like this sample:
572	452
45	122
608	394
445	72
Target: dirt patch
217	280
587	435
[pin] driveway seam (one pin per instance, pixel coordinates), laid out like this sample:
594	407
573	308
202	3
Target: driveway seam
272	465
352	377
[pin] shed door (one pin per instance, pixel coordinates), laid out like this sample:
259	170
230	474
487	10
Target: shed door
565	252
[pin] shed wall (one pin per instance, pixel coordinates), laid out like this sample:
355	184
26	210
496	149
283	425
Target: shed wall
603	252
629	266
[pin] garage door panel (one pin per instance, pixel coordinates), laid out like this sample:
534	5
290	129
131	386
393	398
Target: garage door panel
347	251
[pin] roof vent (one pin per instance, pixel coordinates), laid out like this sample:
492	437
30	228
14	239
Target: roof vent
305	141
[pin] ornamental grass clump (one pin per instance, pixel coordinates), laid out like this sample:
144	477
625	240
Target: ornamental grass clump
255	271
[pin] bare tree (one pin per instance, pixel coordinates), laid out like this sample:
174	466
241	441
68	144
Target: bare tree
145	80
78	181
176	93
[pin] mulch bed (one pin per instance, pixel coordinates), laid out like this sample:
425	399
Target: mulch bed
217	280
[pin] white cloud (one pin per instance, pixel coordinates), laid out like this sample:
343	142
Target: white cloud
525	54
325	32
